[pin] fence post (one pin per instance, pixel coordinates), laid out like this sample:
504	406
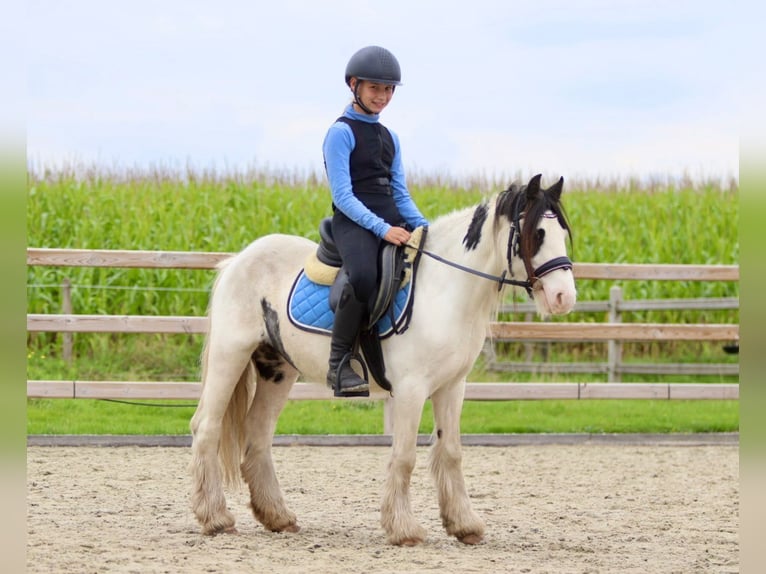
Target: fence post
529	347
614	352
66	309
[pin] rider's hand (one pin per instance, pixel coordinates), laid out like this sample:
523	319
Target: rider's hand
397	235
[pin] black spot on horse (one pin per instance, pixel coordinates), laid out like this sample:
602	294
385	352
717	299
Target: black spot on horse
473	235
268	362
271	319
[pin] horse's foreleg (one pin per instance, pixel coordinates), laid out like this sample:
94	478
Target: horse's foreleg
266	500
457	516
222	373
397	519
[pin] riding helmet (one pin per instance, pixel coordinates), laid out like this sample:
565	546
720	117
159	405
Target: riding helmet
375	64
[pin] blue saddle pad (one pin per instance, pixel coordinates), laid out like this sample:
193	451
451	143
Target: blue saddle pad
308	307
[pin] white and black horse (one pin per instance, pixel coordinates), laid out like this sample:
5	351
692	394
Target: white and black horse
253	354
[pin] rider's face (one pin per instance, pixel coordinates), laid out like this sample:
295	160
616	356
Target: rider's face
373	95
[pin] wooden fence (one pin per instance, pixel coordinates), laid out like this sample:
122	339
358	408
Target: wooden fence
612	332
615	367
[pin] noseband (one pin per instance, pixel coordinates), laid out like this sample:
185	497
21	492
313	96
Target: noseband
514	249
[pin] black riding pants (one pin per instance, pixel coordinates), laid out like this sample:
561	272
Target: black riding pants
359	247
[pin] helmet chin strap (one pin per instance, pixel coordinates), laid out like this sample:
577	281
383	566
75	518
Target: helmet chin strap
358	101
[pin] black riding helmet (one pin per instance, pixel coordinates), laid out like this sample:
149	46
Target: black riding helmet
374	64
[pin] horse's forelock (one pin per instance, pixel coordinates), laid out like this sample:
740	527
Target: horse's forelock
531	210
534	210
514	201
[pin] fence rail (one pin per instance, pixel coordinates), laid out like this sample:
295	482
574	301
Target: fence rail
507	331
197	260
124	258
613	332
128	390
615	367
621	305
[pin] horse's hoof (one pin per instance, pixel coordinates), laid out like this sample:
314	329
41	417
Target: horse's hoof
409	542
291	528
217	531
220	530
471	539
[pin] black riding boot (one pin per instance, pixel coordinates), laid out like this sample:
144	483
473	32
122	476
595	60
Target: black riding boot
348	320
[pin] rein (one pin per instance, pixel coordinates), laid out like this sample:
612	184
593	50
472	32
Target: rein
550	266
562	262
500	280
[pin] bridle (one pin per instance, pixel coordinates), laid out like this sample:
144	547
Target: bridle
514	249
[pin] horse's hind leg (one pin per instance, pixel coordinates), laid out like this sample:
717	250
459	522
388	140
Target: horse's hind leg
457	515
222	372
272	389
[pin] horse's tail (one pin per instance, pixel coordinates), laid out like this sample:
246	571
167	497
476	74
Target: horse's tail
233	423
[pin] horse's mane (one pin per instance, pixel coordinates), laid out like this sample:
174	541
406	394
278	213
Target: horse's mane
456	227
466	226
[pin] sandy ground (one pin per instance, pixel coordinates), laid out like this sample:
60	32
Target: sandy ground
548	509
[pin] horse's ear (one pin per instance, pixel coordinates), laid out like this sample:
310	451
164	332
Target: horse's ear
556	189
533	187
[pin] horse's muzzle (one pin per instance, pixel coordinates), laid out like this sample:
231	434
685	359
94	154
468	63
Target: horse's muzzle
555	294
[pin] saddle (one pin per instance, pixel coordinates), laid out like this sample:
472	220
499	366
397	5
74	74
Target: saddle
397	266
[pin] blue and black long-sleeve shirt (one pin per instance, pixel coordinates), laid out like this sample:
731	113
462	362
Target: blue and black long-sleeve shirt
338	145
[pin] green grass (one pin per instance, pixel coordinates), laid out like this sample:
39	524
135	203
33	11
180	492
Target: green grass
84	416
139	359
613	222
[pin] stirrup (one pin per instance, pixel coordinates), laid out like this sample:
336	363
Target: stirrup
340	392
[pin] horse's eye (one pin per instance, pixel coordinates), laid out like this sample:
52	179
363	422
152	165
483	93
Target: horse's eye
539	239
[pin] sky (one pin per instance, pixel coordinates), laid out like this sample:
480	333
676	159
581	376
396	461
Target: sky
591	88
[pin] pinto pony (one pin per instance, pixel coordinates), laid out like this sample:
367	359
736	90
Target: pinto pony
253	354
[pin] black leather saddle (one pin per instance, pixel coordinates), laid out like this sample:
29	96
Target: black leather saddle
392	266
